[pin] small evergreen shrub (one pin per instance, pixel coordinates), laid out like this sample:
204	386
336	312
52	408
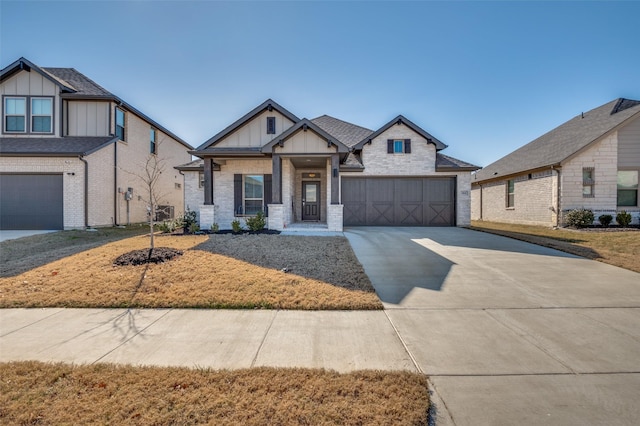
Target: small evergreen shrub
215	228
579	218
188	219
623	218
605	220
193	228
236	226
257	222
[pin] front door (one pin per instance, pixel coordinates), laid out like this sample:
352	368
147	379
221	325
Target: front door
310	200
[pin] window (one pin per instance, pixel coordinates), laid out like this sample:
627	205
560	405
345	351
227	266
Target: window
588	182
153	148
15	115
271	125
120	124
398	146
253	194
200	179
511	186
628	188
41	115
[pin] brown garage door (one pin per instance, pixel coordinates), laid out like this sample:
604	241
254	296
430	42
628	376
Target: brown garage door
399	201
31	201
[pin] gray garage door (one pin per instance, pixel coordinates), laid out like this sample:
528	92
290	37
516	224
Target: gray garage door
31	201
406	201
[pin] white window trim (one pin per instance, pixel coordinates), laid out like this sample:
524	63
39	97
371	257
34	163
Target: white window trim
32	115
5	115
245	199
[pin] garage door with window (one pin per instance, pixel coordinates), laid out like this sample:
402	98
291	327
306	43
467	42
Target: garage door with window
399	201
31	201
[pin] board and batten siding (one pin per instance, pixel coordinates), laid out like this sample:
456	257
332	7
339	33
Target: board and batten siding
33	84
87	118
253	134
305	143
629	145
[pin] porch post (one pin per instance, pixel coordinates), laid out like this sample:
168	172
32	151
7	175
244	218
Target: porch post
276	181
208	181
335	173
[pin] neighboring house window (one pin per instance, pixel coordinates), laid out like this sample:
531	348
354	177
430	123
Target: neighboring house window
15	115
628	188
588	182
271	125
511	186
41	115
398	146
253	194
153	148
200	179
120	124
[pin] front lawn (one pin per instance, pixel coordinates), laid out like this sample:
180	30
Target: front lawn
38	393
618	248
217	271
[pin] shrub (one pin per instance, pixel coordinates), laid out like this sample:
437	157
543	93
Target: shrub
167	226
187	219
215	228
257	222
605	219
579	218
193	228
236	226
623	218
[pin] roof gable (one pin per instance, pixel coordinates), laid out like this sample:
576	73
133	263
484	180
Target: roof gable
305	125
23	64
347	133
266	105
564	141
398	121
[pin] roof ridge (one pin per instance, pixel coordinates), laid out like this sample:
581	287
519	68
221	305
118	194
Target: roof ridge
343	121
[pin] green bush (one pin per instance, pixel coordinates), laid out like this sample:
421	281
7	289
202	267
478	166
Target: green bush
167	226
605	219
215	228
193	228
257	222
579	218
623	218
187	220
236	226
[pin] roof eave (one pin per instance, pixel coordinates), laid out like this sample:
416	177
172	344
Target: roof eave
24	64
400	119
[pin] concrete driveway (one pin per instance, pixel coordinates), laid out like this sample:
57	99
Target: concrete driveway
509	332
15	234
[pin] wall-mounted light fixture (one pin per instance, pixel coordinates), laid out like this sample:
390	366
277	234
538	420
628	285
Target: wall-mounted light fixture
335	173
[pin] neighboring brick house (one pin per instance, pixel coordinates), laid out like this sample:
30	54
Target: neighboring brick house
325	171
69	152
592	161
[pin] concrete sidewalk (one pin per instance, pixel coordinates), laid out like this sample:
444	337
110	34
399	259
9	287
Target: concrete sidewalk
219	339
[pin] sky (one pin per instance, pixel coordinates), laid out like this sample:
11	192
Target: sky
483	77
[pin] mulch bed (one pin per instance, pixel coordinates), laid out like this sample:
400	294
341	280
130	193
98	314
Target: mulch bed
141	257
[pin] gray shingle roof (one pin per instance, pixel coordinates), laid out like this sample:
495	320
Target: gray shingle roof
445	162
347	133
67	146
81	83
565	140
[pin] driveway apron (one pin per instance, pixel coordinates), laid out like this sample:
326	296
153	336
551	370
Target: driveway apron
509	332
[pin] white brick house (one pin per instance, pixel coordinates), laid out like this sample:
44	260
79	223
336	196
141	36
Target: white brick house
325	171
70	152
592	161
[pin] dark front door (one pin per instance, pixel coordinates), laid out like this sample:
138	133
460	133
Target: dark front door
310	200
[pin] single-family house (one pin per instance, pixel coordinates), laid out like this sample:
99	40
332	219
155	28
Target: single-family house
592	161
71	153
325	171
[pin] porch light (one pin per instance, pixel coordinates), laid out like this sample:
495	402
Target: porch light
335	173
328	144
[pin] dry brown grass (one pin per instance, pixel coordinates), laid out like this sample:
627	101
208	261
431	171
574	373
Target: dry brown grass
615	248
198	279
37	393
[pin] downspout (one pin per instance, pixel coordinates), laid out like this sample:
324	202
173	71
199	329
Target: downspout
558	207
184	201
86	191
480	185
115	183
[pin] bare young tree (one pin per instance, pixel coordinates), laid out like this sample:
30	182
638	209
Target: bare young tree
149	175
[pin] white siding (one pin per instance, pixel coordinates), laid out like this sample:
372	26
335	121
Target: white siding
629	145
88	118
254	133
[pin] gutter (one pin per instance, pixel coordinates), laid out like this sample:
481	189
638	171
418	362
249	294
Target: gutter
86	191
558	198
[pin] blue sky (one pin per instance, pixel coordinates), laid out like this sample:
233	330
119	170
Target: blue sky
483	77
